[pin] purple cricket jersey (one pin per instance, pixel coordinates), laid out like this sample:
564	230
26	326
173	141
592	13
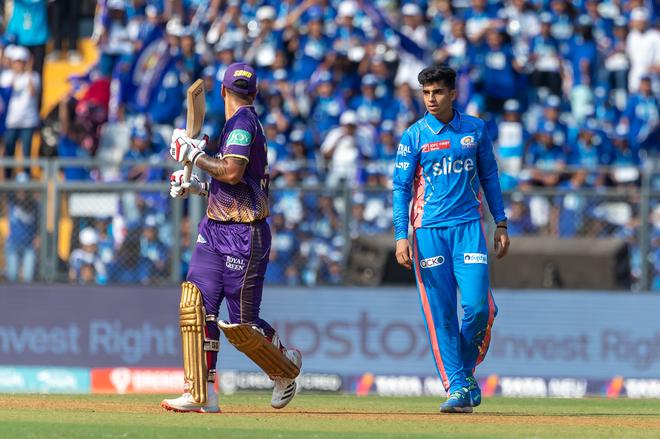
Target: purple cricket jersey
243	137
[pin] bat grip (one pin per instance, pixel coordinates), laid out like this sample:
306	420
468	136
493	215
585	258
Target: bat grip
187	172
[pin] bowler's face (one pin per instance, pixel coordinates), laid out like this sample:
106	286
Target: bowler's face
438	98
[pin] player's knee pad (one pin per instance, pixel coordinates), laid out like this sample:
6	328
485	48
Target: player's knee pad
192	322
267	353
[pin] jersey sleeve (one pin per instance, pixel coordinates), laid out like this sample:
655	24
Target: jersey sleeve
405	164
490	181
240	139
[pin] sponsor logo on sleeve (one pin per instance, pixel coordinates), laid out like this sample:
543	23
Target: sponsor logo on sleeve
432	262
475	258
403	150
402	165
435	146
239	137
469	142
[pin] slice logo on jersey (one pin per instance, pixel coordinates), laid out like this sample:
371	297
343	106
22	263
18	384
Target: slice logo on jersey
432	262
468	142
236	264
201	239
239	137
475	258
448	166
435	146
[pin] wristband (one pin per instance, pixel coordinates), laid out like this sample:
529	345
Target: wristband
197	155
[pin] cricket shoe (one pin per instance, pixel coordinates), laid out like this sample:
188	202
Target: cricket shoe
185	403
285	388
458	402
474	391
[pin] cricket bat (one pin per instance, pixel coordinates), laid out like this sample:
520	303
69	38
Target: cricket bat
196	102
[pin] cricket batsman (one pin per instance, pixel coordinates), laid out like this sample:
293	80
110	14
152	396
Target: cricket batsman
441	161
231	253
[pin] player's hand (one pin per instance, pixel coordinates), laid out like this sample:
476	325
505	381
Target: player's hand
183	149
404	253
501	242
179	189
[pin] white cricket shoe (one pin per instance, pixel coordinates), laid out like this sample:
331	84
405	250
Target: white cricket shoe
285	388
185	403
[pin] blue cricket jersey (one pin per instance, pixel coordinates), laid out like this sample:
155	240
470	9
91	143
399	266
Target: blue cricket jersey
440	166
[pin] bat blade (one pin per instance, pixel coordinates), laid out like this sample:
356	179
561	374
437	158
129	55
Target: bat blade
196	103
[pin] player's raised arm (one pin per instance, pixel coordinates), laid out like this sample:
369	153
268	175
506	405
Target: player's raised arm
402	181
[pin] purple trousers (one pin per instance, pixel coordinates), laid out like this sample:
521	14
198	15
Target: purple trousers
229	262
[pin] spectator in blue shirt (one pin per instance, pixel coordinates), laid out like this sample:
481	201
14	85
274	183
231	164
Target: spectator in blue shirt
583	54
641	116
546	58
22	241
263	47
511	139
326	108
500	72
366	105
153	253
547	158
616	63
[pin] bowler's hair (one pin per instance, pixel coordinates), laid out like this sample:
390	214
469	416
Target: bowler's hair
442	74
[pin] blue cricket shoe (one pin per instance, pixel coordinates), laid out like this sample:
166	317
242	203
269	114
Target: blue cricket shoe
458	402
474	391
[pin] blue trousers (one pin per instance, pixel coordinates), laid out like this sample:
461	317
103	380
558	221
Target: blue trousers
446	258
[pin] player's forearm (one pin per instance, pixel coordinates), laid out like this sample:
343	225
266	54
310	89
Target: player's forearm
224	170
400	203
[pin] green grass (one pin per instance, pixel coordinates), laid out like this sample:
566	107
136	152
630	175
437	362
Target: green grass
324	416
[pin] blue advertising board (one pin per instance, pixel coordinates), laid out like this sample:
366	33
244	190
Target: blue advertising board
347	331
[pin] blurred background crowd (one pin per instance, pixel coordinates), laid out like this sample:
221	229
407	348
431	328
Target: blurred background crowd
569	91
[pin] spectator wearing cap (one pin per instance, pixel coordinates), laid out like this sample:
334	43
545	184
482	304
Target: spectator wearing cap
583	54
347	35
276	140
344	147
153	253
310	47
367	105
22	241
22	117
228	30
386	147
290	110
327	105
225	55
190	59
522	22
264	45
500	74
616	63
456	50
563	15
641	117
112	36
546	58
552	120
85	264
478	20
141	150
591	151
28	27
642	48
414	28
511	139
546	158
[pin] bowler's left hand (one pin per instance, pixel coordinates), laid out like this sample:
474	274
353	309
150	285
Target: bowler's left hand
501	242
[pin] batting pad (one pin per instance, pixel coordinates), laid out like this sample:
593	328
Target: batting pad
192	320
259	349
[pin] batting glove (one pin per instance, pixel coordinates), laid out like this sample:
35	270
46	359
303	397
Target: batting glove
183	149
179	189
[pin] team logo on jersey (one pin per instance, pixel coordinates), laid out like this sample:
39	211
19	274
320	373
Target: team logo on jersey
468	142
435	146
475	258
432	262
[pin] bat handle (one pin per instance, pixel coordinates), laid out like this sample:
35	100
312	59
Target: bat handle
187	172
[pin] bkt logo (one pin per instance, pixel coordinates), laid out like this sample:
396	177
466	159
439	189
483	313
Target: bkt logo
475	258
403	165
432	262
403	150
447	166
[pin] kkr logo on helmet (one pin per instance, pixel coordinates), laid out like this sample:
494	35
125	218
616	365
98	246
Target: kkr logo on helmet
468	142
432	262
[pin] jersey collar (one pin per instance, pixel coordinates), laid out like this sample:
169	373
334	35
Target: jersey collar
436	126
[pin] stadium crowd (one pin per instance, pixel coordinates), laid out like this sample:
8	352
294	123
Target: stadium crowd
569	91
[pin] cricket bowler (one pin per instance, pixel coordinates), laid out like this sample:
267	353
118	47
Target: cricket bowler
441	161
231	253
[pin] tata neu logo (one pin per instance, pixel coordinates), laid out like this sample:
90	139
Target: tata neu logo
435	146
129	380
